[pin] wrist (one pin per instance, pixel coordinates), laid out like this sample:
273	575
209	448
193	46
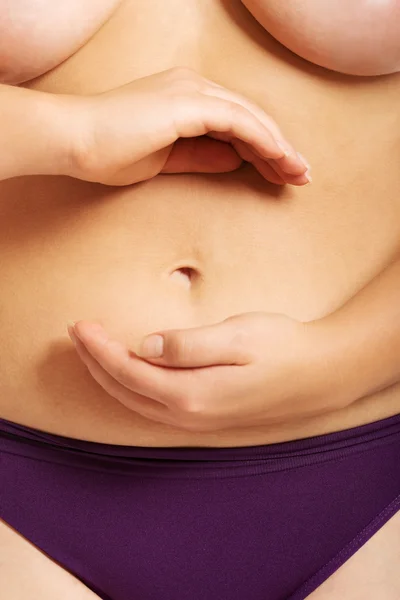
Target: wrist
45	134
62	124
345	363
80	157
58	123
326	357
35	138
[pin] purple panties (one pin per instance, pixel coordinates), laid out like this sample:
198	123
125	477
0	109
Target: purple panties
257	523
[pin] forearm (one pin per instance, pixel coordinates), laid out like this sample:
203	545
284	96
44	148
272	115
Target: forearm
362	339
34	134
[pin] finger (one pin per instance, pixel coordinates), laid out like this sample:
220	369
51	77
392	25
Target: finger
269	169
302	179
291	162
201	155
165	385
220	344
266	171
262	166
145	406
183	391
203	114
266	166
117	360
222	92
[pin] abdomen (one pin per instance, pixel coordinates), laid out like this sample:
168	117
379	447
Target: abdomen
72	250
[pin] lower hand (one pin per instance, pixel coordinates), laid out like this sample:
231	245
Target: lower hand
249	370
174	122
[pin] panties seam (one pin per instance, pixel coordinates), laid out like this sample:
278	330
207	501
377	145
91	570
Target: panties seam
347	552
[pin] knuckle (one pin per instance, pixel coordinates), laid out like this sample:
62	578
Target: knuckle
192	403
240	339
236	112
181	348
191	407
243	344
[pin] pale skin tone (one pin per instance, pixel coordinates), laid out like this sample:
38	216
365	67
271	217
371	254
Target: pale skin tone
99	150
218	369
36	35
213	346
94	142
345	24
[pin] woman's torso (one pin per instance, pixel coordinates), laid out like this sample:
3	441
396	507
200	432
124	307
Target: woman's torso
72	250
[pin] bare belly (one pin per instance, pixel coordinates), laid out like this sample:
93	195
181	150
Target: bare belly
71	250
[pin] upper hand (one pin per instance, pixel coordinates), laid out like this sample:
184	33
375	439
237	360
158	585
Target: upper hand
175	122
248	370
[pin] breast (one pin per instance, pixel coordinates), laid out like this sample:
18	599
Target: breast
361	37
37	35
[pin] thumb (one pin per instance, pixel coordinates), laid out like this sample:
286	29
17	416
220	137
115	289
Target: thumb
201	155
220	344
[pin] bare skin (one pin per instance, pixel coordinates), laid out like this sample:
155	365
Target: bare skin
26	572
171	122
366	31
37	35
371	573
325	243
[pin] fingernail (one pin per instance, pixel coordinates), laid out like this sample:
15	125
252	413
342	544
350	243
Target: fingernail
308	177
71	331
304	160
152	347
286	151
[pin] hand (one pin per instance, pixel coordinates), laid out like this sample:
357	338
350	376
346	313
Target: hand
175	122
249	370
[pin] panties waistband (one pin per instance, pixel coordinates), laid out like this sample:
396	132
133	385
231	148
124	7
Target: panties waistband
39	445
